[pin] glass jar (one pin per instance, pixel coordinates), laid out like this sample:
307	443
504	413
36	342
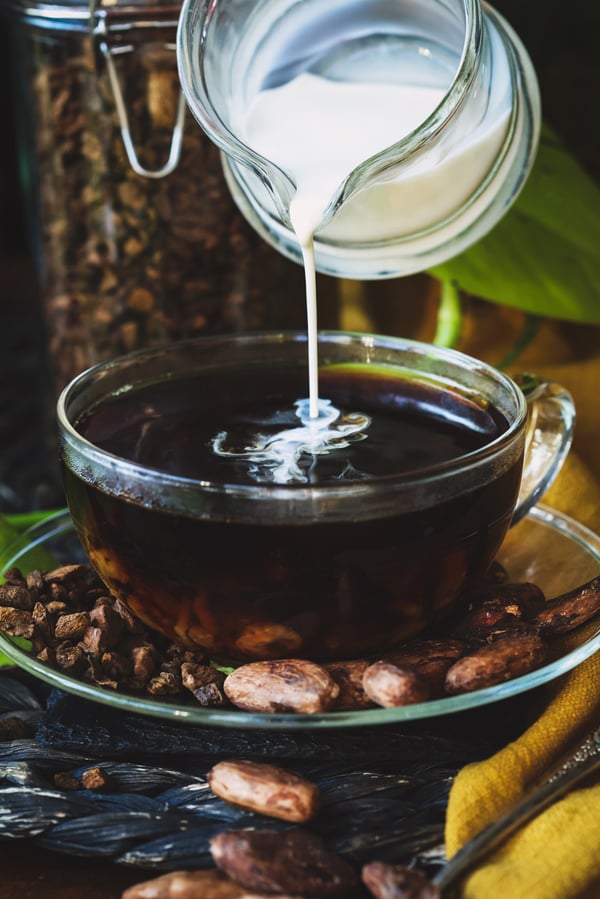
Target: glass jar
136	238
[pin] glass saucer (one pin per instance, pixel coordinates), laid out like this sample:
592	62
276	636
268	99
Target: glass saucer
546	548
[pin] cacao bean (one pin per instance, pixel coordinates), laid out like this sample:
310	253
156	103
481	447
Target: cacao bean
502	606
431	659
281	685
208	884
566	612
348	676
494	663
398	882
390	686
294	862
266	789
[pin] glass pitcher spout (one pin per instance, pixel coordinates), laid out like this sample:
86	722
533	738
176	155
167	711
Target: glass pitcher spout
407	128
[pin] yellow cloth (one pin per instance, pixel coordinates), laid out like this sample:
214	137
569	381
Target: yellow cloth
557	854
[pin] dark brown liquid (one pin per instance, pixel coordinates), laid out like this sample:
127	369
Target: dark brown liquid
263	589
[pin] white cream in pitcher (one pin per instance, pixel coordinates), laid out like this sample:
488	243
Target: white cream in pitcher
318	129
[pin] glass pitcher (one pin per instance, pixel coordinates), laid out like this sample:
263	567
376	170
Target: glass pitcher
416	202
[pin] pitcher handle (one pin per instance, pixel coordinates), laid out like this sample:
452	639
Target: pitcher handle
549	436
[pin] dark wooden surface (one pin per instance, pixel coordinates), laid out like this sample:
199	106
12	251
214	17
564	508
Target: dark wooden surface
562	41
27	873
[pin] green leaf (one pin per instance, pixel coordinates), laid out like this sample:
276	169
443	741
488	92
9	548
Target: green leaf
12	541
449	321
16	534
8	532
226	669
11	537
22	643
22	520
543	257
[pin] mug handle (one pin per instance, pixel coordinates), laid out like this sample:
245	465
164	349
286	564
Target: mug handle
549	436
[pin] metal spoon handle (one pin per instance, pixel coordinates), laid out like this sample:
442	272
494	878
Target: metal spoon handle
580	764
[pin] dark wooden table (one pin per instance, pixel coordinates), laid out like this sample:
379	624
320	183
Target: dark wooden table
28	873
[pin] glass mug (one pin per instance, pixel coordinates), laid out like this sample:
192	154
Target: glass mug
342	568
425	198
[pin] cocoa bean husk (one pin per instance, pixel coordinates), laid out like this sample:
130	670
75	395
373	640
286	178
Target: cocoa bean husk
16	596
71	626
16	622
14	728
97	779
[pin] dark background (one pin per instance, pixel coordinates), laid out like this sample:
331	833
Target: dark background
23	374
562	39
12	225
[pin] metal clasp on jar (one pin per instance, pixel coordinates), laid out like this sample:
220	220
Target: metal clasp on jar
107	27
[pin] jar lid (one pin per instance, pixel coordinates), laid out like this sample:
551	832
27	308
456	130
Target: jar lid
75	14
